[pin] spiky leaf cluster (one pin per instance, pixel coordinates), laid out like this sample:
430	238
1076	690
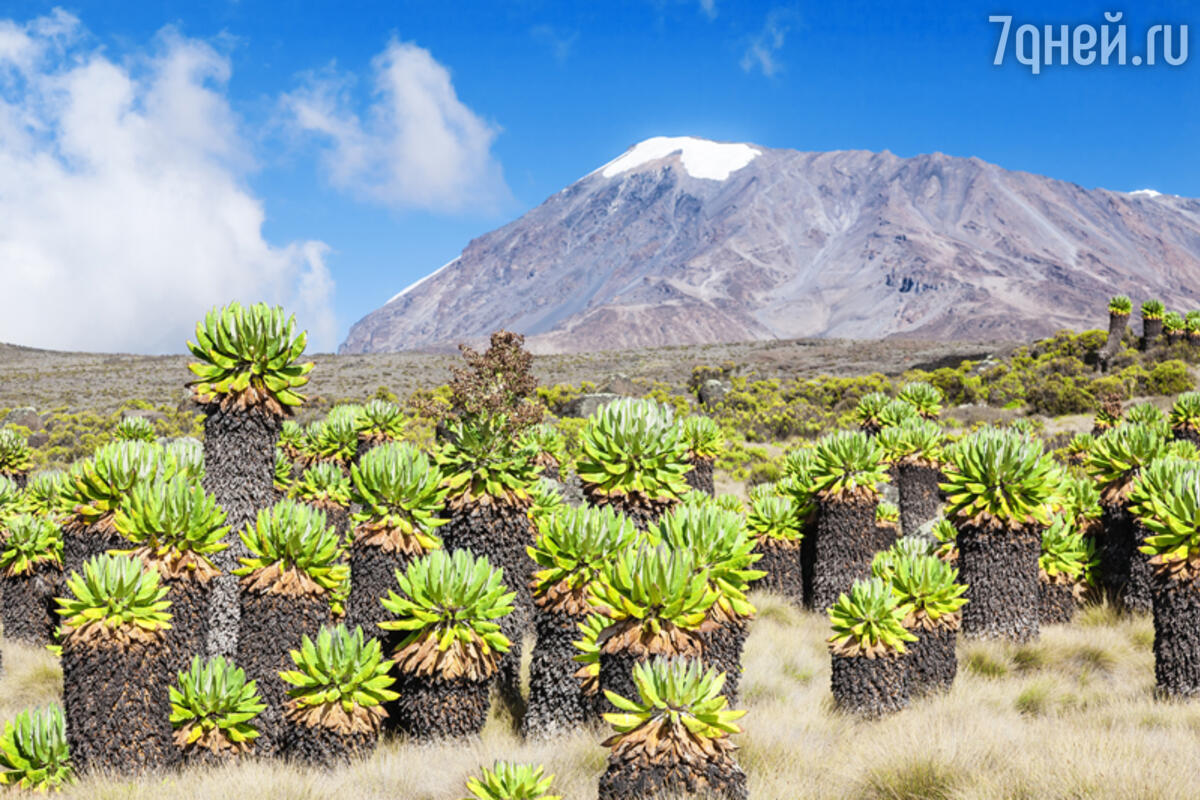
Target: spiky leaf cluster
771	516
887	514
545	499
679	715
897	412
400	495
1147	414
999	477
1078	448
1065	556
930	588
340	681
182	457
883	565
1191	324
1173	519
282	471
845	463
866	413
653	596
380	421
702	436
33	751
16	458
323	484
137	429
248	359
723	549
174	525
481	460
798	463
548	442
98	484
447	606
1153	309
588	645
1119	453
12	499
333	439
508	781
1120	305
572	547
1172	322
292	439
633	446
915	440
1185	413
869	621
115	597
31	540
46	493
293	550
924	397
213	706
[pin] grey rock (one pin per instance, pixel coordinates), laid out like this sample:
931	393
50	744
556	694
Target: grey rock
586	404
25	417
713	391
847	244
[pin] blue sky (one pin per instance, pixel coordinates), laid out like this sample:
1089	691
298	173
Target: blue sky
325	155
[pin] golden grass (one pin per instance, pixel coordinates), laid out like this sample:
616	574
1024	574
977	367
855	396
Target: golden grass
1070	716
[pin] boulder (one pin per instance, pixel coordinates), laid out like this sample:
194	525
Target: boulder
586	404
713	391
25	417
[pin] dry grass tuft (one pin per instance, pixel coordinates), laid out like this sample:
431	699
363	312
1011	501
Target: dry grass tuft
1072	715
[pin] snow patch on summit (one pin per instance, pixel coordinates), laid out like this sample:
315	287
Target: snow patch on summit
1146	193
714	161
414	285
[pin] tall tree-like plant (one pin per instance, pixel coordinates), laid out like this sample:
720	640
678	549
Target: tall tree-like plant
1064	570
445	610
634	458
214	711
16	458
924	397
775	525
672	736
870	676
379	422
999	485
287	581
1172	328
1119	309
704	441
1152	322
847	471
325	486
335	709
400	496
115	671
1116	460
866	413
1191	327
656	601
1171	513
248	377
176	528
725	554
929	587
1185	417
31	564
571	549
915	448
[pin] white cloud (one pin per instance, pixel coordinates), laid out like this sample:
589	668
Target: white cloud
709	7
763	48
123	211
560	42
419	146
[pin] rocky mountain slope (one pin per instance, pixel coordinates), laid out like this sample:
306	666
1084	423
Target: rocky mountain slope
682	241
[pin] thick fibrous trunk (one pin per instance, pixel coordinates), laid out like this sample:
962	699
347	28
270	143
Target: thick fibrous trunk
500	531
870	687
1151	330
1177	636
28	608
721	649
557	703
1124	569
919	501
1056	601
616	673
273	625
324	747
931	660
785	572
188	635
1116	331
719	779
372	574
700	476
845	539
644	511
81	542
1187	435
116	705
1000	568
239	470
432	710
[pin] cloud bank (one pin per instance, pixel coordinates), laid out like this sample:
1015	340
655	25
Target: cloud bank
417	146
124	214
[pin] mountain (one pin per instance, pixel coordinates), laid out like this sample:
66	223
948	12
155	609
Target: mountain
683	241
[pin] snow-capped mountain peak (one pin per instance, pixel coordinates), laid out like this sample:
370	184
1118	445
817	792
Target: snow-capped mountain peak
701	158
